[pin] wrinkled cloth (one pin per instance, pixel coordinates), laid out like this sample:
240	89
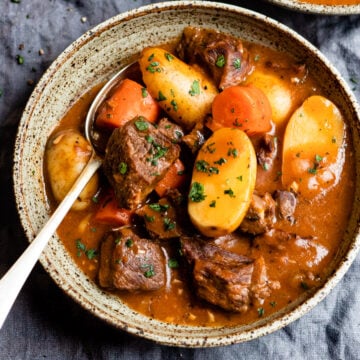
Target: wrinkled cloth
44	323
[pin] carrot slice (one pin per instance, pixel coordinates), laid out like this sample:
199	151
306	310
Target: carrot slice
110	213
128	101
243	107
172	179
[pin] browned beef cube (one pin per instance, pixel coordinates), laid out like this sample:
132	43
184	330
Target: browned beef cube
267	150
170	130
128	262
286	204
160	219
221	277
138	156
224	56
260	216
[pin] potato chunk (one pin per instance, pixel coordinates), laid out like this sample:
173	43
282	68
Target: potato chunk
312	152
181	90
223	181
67	153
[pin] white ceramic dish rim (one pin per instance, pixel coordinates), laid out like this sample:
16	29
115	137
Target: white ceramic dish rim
198	336
317	8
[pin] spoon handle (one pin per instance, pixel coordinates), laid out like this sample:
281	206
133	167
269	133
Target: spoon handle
12	282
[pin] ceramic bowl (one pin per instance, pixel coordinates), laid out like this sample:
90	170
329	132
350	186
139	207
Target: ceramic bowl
94	57
305	7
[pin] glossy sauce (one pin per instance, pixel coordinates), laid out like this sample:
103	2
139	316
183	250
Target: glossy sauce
324	219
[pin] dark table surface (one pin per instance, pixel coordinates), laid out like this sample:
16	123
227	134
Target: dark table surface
44	322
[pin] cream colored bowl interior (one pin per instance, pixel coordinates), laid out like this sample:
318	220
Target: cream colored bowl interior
96	56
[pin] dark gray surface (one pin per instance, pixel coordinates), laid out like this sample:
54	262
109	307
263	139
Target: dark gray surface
44	322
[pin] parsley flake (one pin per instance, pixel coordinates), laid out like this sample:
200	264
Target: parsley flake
220	61
196	193
123	168
195	88
141	124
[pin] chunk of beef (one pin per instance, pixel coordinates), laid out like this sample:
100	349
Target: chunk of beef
196	137
224	56
170	130
260	216
160	219
265	210
286	204
226	279
128	262
266	152
137	157
221	277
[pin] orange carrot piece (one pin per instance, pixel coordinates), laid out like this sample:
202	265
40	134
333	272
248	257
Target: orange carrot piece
110	213
243	107
128	101
172	179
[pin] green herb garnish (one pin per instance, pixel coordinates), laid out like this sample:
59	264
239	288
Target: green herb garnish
196	193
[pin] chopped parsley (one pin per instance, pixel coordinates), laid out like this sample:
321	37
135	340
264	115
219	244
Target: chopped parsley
201	165
261	311
210	148
195	88
149	270
220	61
174	105
157	151
220	161
173	264
161	97
196	193
20	59
82	249
159	207
144	92
123	168
232	152
213	204
141	124
149	218
237	63
204	166
169	57
129	242
169	224
229	192
154	67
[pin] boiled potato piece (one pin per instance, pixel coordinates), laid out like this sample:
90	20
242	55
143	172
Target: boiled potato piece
312	151
277	91
223	181
182	91
67	153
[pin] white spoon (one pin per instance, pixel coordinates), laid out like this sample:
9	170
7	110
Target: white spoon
12	282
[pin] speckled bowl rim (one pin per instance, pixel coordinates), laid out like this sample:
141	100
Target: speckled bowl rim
300	6
168	334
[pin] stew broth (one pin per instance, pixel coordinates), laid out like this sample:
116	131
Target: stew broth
298	268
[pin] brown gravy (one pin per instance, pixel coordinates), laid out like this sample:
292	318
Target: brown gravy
326	219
